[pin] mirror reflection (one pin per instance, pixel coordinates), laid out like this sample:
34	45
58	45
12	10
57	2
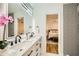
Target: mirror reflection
22	20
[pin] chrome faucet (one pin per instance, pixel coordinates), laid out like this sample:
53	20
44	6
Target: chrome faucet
17	39
32	34
27	35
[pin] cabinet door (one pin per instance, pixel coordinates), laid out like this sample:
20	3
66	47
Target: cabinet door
35	50
28	53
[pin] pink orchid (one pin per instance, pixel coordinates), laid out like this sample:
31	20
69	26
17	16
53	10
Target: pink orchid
10	19
5	19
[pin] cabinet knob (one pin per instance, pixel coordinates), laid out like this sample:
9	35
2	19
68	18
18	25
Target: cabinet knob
30	53
21	49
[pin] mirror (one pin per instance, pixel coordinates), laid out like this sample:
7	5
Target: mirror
52	33
11	26
22	20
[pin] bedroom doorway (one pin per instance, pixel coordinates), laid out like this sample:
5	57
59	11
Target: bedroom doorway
52	33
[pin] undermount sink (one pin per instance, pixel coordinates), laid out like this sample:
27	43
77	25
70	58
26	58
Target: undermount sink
29	39
20	46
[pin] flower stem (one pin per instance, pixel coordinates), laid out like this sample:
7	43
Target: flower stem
4	33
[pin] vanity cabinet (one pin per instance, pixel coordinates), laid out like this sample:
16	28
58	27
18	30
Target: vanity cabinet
25	48
35	50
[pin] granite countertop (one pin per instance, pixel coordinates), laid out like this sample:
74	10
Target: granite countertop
20	48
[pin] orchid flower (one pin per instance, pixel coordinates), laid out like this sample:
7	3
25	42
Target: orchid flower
5	20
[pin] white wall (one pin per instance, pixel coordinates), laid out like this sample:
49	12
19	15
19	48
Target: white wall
3	11
70	29
40	12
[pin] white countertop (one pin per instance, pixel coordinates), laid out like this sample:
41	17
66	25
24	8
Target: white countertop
20	48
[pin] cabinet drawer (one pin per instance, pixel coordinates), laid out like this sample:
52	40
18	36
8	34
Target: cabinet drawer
37	44
38	52
34	50
28	53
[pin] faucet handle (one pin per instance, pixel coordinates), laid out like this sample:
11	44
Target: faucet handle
15	41
32	34
11	43
19	40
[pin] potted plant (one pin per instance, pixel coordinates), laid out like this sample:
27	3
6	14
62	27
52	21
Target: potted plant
4	20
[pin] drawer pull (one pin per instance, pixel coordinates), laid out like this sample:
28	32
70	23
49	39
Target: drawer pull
37	44
40	45
30	53
36	50
20	49
37	54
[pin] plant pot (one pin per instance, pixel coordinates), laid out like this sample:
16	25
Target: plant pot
3	44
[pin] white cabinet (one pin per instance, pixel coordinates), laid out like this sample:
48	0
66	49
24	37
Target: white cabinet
35	50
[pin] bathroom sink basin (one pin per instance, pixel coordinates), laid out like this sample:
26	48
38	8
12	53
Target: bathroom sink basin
28	40
17	49
21	47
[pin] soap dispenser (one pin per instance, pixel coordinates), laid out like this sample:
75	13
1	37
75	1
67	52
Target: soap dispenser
37	29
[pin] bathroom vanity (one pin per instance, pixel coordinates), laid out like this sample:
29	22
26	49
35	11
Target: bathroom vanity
22	24
31	47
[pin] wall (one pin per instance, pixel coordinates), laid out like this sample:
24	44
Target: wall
40	12
3	11
19	12
70	29
77	17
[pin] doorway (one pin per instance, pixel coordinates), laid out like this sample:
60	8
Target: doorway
21	25
52	33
